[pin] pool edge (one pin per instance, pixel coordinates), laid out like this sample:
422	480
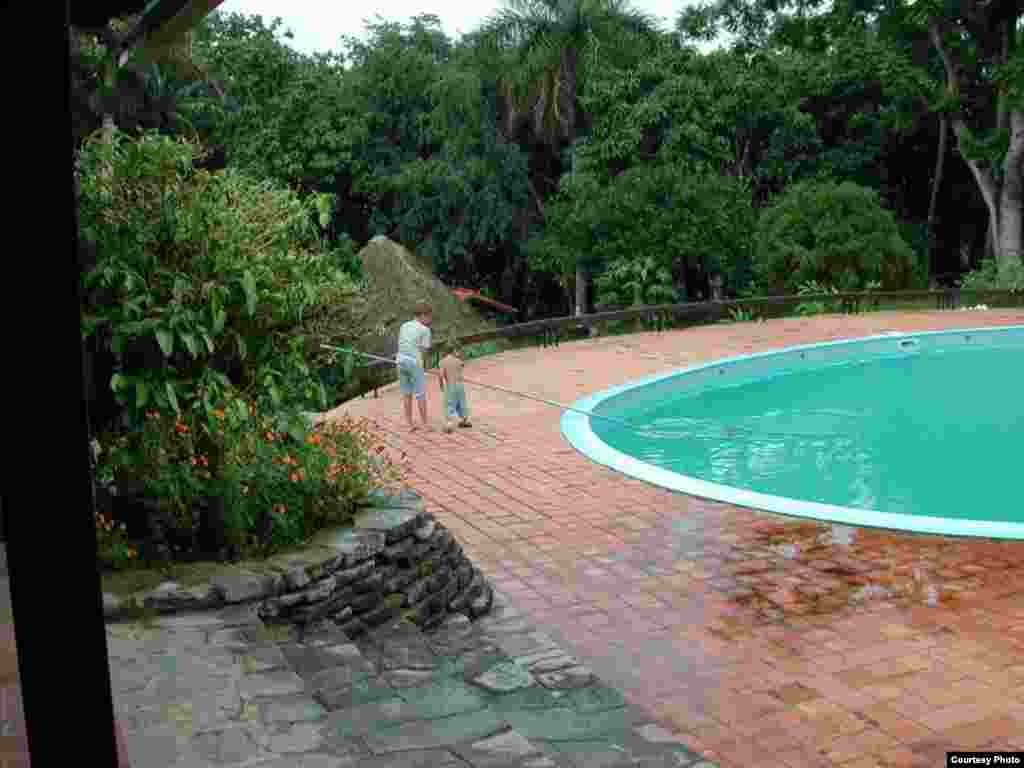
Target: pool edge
575	428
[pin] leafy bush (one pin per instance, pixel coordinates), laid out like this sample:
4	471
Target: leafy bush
818	307
644	229
112	547
742	315
206	287
214	269
988	278
482	349
836	234
280	482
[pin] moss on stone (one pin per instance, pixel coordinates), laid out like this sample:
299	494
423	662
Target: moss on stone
133	610
126	583
394	600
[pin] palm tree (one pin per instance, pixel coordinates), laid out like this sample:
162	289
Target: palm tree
543	50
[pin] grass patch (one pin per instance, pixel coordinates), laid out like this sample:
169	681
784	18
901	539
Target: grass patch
135	580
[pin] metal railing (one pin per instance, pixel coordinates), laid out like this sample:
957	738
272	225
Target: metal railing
658	317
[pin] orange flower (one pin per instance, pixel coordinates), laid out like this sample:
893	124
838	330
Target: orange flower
219	413
180	428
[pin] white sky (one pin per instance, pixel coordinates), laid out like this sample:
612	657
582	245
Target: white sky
318	24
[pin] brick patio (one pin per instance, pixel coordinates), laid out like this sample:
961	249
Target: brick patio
751	632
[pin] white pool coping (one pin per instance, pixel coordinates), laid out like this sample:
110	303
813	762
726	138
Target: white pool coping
576	429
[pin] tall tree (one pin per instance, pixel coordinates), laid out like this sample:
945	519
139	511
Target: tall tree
545	49
979	87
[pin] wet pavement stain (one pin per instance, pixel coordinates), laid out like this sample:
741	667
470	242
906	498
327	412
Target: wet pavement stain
781	571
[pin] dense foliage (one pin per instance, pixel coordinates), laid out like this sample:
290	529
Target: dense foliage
834	234
648	231
203	288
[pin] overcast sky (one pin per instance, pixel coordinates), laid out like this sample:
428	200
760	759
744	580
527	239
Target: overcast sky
318	24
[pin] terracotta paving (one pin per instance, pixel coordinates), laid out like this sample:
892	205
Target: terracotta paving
765	639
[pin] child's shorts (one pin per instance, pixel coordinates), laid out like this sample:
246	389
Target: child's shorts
455	399
410	379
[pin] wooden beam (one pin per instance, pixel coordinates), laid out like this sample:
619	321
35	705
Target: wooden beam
166	22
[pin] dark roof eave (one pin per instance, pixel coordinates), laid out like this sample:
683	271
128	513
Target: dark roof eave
164	22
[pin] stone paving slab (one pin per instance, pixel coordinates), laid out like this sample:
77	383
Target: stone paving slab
417	758
241	700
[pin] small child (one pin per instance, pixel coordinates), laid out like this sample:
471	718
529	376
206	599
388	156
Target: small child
413	340
454	388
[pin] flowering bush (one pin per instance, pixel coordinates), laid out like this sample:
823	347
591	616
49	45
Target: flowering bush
112	548
206	290
280	481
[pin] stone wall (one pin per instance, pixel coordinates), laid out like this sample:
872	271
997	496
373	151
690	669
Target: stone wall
395	561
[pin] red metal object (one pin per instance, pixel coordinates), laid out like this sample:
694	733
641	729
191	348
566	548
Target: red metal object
468	294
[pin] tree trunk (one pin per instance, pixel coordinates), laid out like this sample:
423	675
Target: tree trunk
109	80
1003	197
581	291
1010	226
936	182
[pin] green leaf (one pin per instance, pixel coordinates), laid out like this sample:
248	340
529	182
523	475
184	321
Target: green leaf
209	342
172	397
141	394
219	319
349	365
241	347
166	340
249	285
117	382
275	395
190	344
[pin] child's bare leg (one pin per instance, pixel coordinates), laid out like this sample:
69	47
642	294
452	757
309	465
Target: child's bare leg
407	406
422	402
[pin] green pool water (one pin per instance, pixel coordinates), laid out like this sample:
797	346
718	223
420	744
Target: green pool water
934	432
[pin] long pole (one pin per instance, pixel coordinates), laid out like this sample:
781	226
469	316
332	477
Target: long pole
492	386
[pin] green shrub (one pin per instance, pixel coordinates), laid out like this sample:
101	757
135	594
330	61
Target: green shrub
639	231
207	270
481	349
206	287
742	315
836	234
817	307
988	278
296	480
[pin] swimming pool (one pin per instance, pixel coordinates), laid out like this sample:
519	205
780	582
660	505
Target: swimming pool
908	431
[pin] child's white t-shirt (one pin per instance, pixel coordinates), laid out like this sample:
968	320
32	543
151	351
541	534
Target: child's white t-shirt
413	338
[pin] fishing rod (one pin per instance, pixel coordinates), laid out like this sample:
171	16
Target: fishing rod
729	430
492	386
